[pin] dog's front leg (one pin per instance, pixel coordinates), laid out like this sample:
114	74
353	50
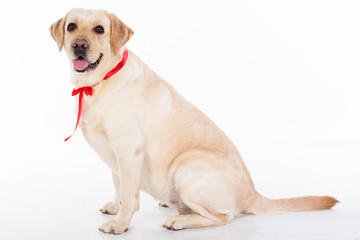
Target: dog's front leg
112	208
129	176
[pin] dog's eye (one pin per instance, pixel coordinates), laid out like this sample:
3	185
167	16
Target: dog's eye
99	29
71	27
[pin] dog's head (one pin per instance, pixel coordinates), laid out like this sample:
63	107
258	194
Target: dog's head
93	40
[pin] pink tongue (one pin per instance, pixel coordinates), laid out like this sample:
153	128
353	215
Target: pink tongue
80	64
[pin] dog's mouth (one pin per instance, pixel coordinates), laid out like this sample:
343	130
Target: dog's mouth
81	65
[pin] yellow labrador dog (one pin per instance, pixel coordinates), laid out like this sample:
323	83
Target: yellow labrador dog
152	138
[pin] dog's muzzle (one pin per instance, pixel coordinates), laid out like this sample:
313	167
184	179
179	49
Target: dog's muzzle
80	63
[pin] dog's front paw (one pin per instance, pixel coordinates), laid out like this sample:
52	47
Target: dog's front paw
112	226
110	208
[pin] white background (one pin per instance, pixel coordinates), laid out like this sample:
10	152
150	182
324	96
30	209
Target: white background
281	78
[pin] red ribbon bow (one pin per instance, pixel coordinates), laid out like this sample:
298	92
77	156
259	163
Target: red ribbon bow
89	91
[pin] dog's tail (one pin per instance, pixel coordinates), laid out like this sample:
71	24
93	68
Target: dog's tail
263	205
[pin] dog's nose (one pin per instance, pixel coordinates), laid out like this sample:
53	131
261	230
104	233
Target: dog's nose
80	44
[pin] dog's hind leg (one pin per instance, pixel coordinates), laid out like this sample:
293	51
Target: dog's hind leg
208	195
180	222
203	211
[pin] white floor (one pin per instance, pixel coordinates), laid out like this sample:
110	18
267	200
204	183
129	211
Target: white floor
61	199
77	218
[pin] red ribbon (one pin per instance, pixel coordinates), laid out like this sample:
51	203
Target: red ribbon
89	91
119	66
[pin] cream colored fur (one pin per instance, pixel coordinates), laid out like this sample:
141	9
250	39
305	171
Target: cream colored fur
154	140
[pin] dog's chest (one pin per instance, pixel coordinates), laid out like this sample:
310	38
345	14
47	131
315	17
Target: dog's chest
92	114
103	111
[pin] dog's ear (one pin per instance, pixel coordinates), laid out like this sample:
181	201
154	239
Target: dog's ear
57	31
119	33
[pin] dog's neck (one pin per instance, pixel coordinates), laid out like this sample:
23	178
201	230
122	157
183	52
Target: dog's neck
88	90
